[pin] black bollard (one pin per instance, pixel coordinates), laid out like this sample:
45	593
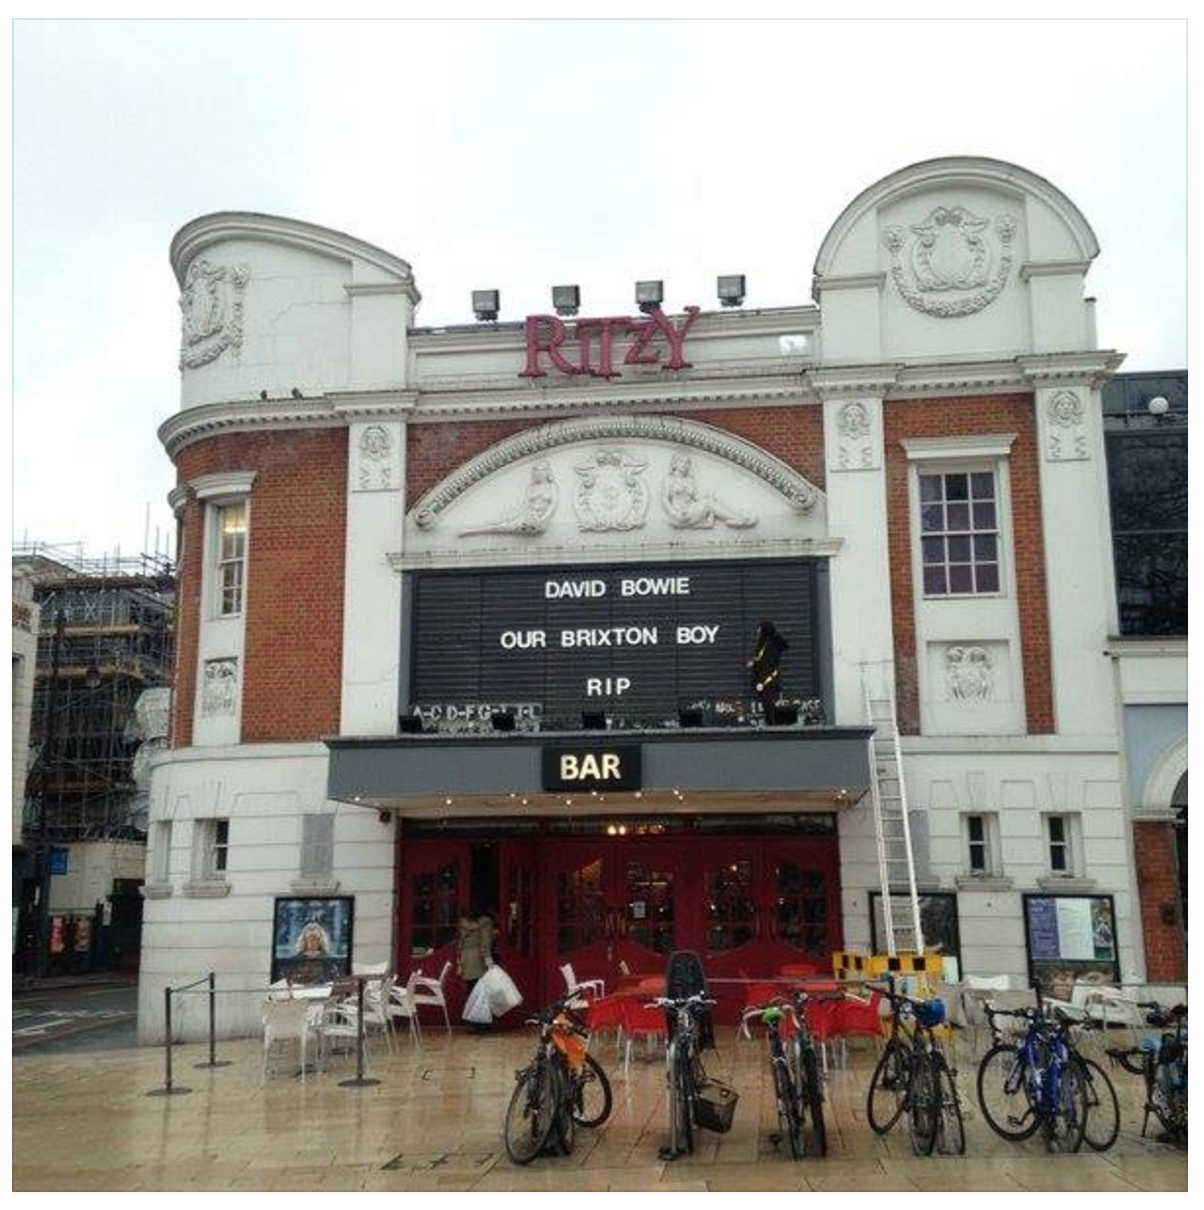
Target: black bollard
360	1080
214	1061
169	1089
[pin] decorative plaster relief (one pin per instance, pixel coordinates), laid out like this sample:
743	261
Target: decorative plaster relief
954	262
211	310
688	507
1066	432
968	673
802	495
611	495
855	438
538	507
219	689
374	466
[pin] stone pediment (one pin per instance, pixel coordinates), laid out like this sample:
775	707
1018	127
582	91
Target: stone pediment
616	486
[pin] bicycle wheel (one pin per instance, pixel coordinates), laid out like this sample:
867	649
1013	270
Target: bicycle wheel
887	1097
811	1097
681	1105
1003	1094
951	1129
592	1097
1103	1109
531	1113
923	1105
1065	1124
788	1109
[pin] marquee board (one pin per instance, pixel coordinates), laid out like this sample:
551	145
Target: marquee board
636	642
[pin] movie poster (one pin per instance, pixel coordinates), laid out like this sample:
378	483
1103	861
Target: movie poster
1071	939
311	940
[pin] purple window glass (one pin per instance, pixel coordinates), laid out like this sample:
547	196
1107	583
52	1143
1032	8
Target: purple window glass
934	581
961	577
932	518
930	488
987	577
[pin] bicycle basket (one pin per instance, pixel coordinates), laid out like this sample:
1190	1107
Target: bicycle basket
715	1106
930	1013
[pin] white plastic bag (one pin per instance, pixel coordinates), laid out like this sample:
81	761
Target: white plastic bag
493	995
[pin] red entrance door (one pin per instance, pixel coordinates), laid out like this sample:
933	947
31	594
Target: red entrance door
578	925
434	891
517	935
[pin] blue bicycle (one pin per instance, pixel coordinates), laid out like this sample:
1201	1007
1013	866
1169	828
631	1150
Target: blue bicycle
1035	1082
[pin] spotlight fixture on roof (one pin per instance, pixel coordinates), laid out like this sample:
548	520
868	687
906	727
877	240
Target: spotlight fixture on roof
485	305
730	289
649	294
502	720
566	299
593	720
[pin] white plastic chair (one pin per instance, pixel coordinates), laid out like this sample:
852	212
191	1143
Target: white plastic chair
430	991
377	1004
285	1021
591	987
403	1003
339	1021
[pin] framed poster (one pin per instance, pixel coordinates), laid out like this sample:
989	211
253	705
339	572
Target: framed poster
311	939
938	919
1070	939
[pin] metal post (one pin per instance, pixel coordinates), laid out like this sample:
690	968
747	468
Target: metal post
360	1080
168	1089
214	1061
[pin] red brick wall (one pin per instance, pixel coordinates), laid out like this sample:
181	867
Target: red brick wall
970	417
294	596
793	433
1158	882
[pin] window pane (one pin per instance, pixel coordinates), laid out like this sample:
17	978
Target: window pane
984	516
982	486
930	487
1057	858
960	579
1057	829
974	824
958	516
934	550
932	518
959	550
934	580
985	549
1151	582
987	577
957	487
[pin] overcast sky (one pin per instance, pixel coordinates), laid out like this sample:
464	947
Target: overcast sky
517	155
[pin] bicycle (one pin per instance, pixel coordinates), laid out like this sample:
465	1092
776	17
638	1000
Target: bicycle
913	1076
1037	1083
687	1079
563	1087
1162	1064
797	1085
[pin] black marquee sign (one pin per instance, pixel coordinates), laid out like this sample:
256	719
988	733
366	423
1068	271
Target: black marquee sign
592	767
635	642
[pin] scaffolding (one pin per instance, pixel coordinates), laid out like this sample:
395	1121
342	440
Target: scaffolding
106	635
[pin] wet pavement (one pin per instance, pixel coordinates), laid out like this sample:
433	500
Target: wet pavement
84	1122
69	1017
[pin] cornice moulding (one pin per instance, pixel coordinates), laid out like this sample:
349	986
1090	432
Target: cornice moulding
201	233
988	445
1093	367
177	499
849	281
222	483
1053	268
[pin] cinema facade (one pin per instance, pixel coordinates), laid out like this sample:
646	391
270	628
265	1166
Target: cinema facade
466	613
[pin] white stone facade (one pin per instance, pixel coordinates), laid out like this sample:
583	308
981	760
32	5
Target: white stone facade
955	279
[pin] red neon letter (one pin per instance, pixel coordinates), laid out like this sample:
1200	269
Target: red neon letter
551	347
676	337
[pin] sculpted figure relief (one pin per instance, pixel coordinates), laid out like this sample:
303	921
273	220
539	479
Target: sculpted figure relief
688	507
968	670
539	506
211	311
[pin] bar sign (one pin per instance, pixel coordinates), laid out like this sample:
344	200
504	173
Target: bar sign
592	767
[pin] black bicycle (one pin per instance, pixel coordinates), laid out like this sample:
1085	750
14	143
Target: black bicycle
798	1089
1162	1064
913	1076
694	1099
562	1088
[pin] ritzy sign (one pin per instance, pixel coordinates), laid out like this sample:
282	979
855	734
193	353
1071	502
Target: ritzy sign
595	343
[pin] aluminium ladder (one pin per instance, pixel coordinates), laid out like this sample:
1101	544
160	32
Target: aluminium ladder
896	864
